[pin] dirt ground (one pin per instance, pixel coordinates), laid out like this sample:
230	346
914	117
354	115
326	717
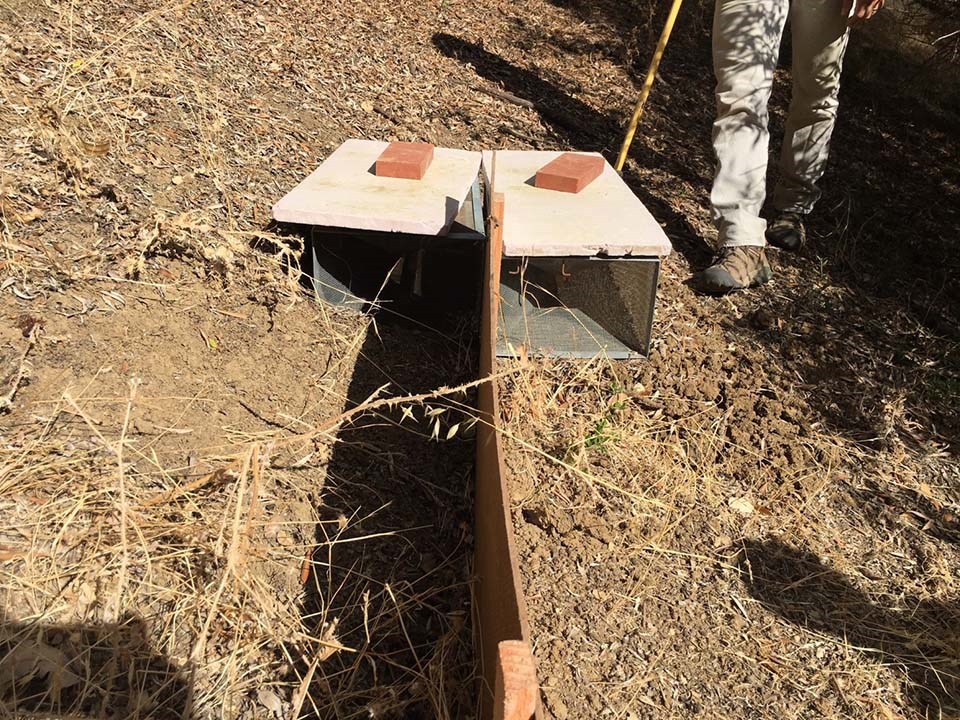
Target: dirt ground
151	518
760	520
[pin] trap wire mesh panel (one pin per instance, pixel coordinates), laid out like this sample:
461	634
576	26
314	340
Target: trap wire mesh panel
577	307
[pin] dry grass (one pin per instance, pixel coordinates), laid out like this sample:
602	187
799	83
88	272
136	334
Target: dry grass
649	533
159	586
162	608
115	134
180	592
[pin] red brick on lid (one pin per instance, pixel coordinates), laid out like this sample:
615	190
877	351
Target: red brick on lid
570	172
407	160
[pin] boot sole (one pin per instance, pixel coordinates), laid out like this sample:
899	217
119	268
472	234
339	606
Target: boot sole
722	288
783	243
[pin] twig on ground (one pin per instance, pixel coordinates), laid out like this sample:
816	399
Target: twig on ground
16	377
505	96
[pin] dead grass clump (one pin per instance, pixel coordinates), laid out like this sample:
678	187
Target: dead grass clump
209	590
660	520
115	600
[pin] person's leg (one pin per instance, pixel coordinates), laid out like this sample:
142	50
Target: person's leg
746	44
819	31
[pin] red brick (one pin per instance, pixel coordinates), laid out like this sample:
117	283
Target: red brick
405	160
570	172
516	693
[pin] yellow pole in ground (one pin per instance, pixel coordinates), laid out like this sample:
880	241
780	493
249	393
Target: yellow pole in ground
648	83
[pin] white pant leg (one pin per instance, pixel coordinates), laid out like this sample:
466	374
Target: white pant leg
819	33
746	43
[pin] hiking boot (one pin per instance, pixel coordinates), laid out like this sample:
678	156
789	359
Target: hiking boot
786	231
736	268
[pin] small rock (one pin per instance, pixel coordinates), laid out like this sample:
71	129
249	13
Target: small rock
723	541
741	505
536	516
270	701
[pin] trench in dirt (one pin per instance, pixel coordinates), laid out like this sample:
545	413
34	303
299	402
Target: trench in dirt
392	566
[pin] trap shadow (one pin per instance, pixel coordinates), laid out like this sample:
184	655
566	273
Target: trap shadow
79	671
922	636
390	574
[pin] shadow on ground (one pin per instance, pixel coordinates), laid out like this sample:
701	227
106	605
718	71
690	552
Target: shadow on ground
920	636
867	317
88	671
391	569
582	127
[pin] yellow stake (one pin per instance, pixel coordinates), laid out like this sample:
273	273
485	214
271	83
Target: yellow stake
648	83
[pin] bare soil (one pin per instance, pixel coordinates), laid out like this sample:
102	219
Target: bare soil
758	521
122	487
761	519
